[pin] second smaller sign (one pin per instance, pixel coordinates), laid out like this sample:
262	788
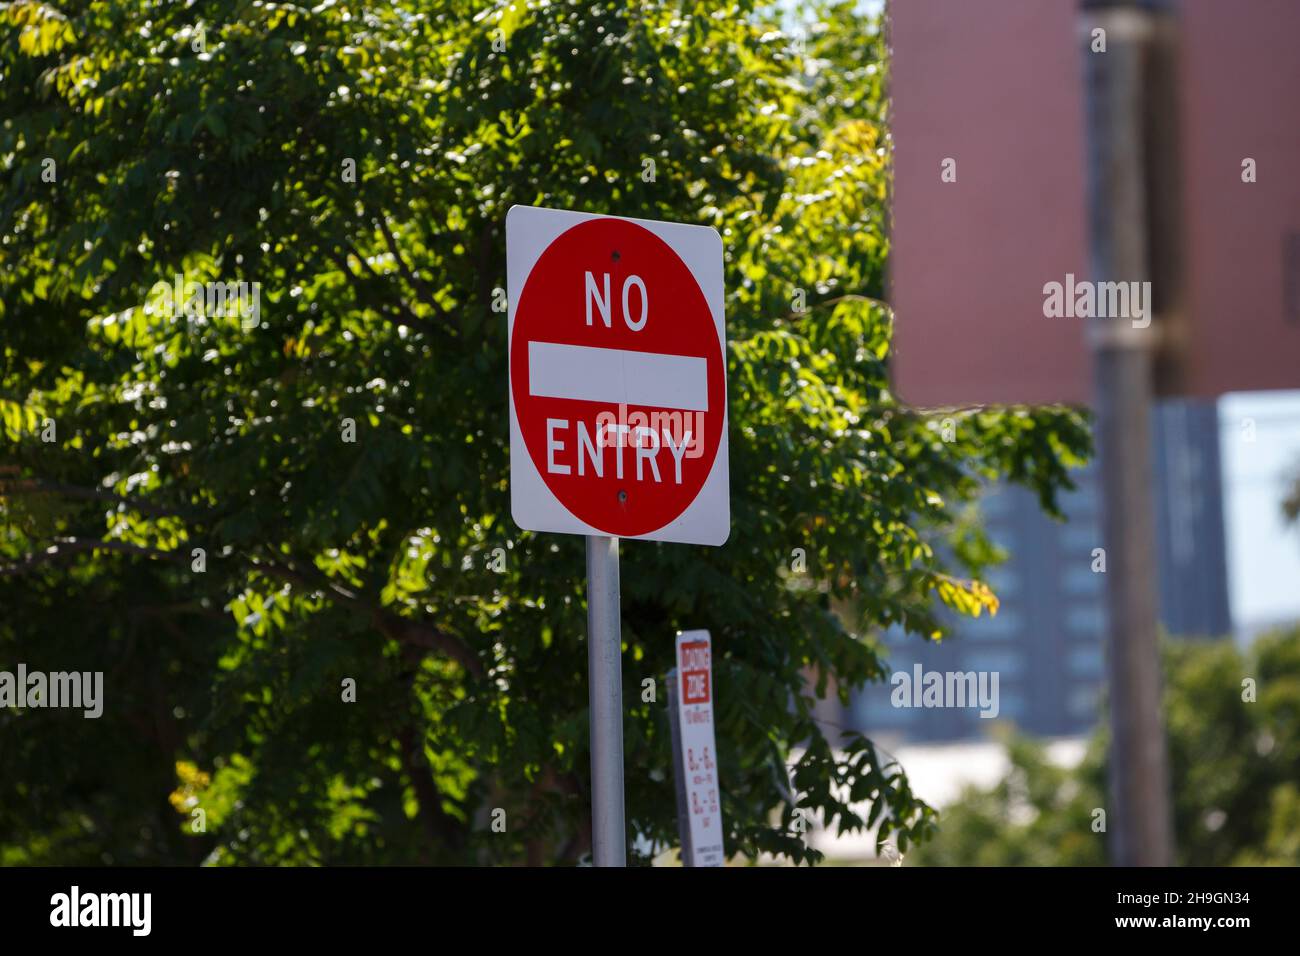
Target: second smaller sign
690	702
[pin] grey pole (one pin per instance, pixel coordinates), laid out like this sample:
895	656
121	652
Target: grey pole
605	680
1138	825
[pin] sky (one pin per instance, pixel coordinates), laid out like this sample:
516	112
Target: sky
1263	553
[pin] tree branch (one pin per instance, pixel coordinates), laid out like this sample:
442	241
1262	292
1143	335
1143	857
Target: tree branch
395	627
418	285
836	300
37	486
437	823
73	546
406	318
404	630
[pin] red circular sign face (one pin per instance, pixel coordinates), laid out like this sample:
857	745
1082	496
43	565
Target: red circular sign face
617	377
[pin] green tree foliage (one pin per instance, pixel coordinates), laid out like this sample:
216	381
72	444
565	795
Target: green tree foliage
1234	755
215	141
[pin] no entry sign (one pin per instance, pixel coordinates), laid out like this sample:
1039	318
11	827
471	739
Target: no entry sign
618	393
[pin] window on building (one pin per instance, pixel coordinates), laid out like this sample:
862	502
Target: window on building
1007	624
1082	501
1085	661
1083	701
1085	619
1080	537
1011	705
874	709
1004	582
1080	578
1005	663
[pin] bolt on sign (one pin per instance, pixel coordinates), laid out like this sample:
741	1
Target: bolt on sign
618	392
690	706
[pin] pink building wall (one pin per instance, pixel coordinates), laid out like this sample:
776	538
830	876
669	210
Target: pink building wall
997	86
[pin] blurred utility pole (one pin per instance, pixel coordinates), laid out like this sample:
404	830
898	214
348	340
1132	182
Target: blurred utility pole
1122	205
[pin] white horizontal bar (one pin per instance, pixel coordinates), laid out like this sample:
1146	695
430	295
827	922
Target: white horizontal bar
618	376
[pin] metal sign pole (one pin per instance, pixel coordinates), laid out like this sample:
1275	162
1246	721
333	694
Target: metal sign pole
679	772
1141	831
605	679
